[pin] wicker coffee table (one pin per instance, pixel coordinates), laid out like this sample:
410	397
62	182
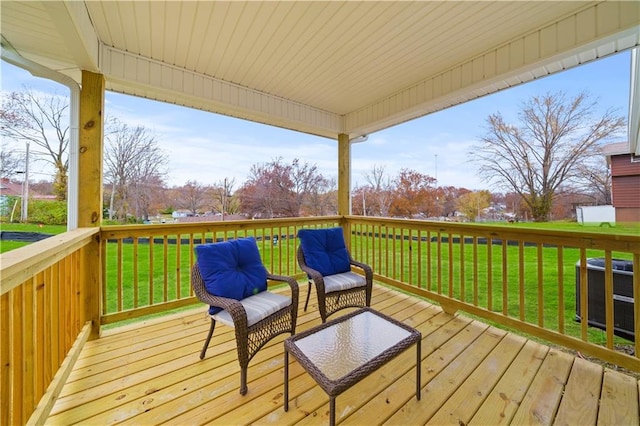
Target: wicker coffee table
341	352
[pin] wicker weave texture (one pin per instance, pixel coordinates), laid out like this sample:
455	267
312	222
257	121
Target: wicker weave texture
330	303
249	340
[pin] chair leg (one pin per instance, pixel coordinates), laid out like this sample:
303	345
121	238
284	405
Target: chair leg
308	295
206	343
243	380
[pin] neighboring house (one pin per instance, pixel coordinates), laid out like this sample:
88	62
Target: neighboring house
181	213
210	218
625	181
9	188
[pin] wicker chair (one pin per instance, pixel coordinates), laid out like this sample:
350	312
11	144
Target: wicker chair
337	291
252	330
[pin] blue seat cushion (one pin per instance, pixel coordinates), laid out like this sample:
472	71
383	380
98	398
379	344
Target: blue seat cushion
324	250
232	269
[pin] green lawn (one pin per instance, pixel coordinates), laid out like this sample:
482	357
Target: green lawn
620	228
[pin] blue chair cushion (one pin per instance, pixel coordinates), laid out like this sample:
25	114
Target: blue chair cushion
232	269
324	250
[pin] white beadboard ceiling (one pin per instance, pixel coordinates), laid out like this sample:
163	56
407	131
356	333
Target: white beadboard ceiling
321	67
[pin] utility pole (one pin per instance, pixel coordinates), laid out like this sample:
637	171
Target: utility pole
24	207
364	202
436	176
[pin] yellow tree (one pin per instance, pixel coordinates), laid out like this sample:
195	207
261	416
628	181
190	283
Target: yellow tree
471	204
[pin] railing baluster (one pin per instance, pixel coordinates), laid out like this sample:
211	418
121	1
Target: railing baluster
151	281
505	279
178	285
608	297
463	277
584	308
540	286
439	261
165	268
521	280
450	264
475	271
560	263
136	272
489	249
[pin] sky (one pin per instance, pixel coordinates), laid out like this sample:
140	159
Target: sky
208	148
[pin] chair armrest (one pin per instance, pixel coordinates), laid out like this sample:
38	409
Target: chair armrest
367	269
233	306
312	273
293	284
225	303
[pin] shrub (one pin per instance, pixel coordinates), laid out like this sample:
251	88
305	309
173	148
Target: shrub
48	212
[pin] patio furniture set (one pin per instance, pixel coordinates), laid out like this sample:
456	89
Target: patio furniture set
230	277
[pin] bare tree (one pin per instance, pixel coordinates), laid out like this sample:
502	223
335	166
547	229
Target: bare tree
307	183
267	191
28	116
279	189
379	191
192	196
10	163
134	168
322	200
224	200
554	137
595	180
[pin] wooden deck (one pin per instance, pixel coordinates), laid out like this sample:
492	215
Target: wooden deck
150	373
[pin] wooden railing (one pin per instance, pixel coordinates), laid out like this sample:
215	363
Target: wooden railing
46	304
58	292
147	269
523	279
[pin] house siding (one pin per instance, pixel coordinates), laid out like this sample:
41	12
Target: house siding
626	191
625	165
625	187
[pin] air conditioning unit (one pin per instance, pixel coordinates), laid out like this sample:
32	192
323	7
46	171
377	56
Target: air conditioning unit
623	324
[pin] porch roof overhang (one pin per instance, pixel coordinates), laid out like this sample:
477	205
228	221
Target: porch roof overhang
323	68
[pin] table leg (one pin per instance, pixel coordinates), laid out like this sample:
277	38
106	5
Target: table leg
418	367
286	380
332	411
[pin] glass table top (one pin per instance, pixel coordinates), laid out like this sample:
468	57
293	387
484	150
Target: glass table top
349	344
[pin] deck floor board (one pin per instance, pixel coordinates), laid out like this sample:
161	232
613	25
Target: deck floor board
472	373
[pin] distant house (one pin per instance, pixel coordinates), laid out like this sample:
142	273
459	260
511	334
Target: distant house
181	213
9	188
625	181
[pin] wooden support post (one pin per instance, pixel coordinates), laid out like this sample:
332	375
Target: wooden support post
344	181
90	157
344	175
